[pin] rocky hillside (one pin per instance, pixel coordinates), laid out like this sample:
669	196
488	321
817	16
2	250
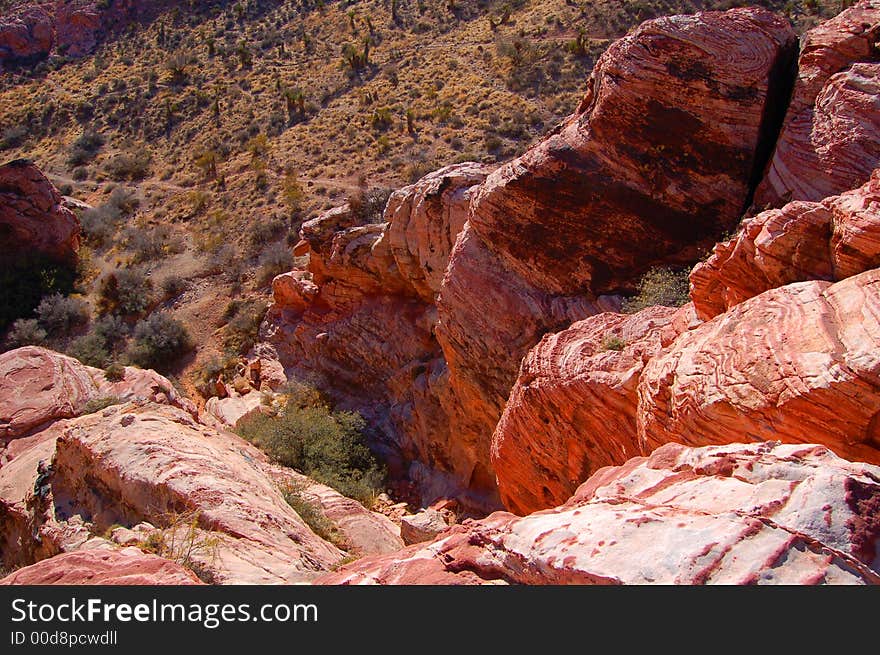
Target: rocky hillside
654	331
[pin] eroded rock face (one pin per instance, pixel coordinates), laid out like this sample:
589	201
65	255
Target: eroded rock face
573	408
800	364
425	219
740	514
654	165
103	566
129	464
38	386
26	34
830	141
829	240
33	217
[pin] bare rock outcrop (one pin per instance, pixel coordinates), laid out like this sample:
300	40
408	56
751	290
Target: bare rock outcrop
830	141
33	217
573	408
798	364
828	240
739	514
103	566
656	162
38	386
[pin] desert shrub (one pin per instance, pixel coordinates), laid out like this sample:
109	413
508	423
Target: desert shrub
129	165
613	342
114	372
84	149
369	206
243	326
182	540
12	137
275	260
147	244
80	173
103	402
158	341
91	349
26	332
58	314
326	445
126	291
311	514
113	330
660	286
173	286
265	230
101	223
25	279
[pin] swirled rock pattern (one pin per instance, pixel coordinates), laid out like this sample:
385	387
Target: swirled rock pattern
38	386
103	566
799	364
740	514
573	407
830	141
830	240
656	162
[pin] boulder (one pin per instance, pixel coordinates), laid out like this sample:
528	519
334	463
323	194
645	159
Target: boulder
38	386
830	140
573	408
423	526
738	514
798	364
657	161
33	217
103	566
26	34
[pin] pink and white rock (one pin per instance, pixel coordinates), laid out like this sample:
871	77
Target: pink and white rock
798	364
738	514
830	140
103	566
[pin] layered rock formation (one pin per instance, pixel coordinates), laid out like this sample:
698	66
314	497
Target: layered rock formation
798	364
33	218
38	386
829	142
659	158
573	408
828	240
192	493
741	514
103	566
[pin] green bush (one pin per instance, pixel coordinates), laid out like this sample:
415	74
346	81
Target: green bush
59	315
114	372
243	326
328	446
158	342
313	517
26	332
369	206
85	148
126	291
660	286
91	350
132	165
113	330
25	280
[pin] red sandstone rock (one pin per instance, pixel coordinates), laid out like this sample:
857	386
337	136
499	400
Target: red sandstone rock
830	141
573	408
103	566
799	364
33	217
38	386
26	34
424	221
656	162
293	291
831	240
738	514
